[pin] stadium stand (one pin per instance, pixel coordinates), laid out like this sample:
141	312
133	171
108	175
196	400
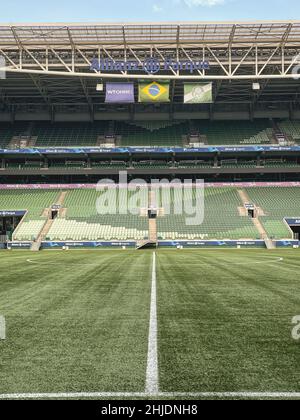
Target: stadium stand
292	129
235	132
277	203
151	133
84	223
224	224
8	131
34	202
148	133
222	218
68	134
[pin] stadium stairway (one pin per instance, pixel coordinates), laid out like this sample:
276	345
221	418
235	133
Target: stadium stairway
270	244
257	223
152	225
61	198
152	230
36	245
152	222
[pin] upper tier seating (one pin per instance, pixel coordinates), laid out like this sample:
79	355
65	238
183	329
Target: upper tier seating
147	133
291	128
68	134
235	132
8	131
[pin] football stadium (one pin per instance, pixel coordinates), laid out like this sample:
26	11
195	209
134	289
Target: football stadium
150	211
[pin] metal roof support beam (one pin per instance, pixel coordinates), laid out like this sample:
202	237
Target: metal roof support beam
218	61
124	73
8	59
135	56
89	101
246	76
295	62
83	56
34	59
163	58
201	73
242	60
61	60
269	60
73	48
43	92
286	35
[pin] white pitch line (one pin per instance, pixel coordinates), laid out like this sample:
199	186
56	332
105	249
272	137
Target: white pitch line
152	359
78	395
60	262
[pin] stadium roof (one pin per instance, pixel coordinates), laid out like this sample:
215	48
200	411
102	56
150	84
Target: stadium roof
93	34
50	64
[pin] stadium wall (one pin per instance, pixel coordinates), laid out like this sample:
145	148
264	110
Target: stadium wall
93	186
48	245
126	116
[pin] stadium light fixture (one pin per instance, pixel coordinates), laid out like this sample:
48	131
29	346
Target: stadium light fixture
256	86
99	87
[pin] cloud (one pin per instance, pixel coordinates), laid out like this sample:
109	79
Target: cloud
205	3
156	8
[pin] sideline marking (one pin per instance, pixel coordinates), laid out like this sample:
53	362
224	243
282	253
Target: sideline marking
276	395
152	359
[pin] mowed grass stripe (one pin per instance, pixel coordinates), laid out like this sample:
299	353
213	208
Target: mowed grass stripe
227	328
80	325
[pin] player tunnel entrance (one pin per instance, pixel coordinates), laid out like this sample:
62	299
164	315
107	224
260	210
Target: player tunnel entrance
294	225
9	220
296	232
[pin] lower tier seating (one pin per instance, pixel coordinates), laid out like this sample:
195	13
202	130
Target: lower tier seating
122	215
277	203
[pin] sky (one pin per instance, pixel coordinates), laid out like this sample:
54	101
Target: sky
29	11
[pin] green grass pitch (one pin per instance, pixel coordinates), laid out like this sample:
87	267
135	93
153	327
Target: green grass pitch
79	321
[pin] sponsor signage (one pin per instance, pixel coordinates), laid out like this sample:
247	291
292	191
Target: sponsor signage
95	150
198	93
293	221
151	65
119	93
249	206
12	213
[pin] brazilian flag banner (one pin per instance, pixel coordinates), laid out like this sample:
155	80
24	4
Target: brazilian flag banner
154	92
198	93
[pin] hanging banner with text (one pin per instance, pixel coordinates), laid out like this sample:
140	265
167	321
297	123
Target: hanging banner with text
119	93
198	93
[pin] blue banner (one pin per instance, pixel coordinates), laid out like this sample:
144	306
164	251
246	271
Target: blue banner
173	244
19	245
207	244
293	221
119	93
11	213
162	150
91	244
